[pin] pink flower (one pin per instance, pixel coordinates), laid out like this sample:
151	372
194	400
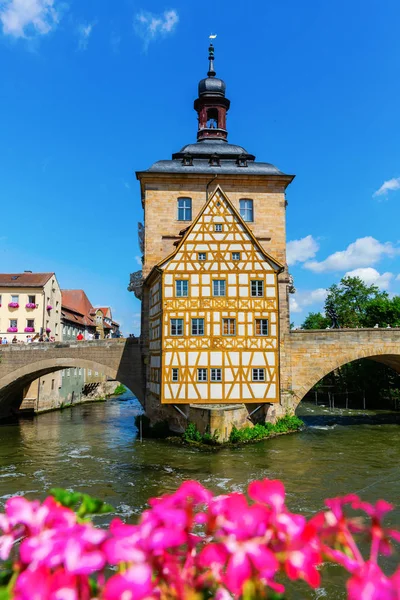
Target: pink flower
369	583
42	584
271	492
7	539
134	584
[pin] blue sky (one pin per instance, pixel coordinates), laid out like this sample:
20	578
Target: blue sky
93	90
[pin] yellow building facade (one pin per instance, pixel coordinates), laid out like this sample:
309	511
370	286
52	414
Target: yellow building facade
213	328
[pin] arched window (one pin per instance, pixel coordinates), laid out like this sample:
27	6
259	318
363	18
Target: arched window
212	118
184	209
246	209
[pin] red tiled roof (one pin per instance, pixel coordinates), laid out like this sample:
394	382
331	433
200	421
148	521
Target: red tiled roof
76	300
24	279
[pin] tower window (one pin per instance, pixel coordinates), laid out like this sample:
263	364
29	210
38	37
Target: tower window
184	209
214	161
202	256
219	287
218	227
175	374
257	288
242	161
258	374
246	209
201	374
181	288
229	326
261	326
197	326
216	374
187	160
176	326
235	255
212	118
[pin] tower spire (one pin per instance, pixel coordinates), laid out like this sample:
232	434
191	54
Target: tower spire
211	56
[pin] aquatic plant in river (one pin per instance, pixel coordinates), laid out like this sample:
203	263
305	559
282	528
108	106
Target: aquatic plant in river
190	545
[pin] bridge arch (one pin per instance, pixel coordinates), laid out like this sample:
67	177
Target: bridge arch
20	366
314	370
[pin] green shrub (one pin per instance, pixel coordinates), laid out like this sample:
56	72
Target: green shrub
261	431
192	434
119	390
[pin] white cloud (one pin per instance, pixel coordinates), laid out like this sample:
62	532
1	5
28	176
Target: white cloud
150	26
364	252
139	260
397	278
301	250
371	276
22	18
84	33
301	300
388	186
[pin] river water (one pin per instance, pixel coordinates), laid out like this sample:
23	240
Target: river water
94	448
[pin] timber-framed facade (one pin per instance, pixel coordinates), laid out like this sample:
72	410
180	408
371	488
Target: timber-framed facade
214	327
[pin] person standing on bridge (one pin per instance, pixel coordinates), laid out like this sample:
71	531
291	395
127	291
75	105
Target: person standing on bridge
79	337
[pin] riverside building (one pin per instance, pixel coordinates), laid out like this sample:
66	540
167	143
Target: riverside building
215	291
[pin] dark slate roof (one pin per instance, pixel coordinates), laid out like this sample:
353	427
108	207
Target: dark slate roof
227	167
200	154
210	147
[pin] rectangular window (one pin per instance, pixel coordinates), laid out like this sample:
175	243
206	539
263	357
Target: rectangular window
31	299
68	372
52	384
89	372
219	287
197	326
258	374
63	373
176	326
30	323
218	227
228	326
216	374
181	288
80	370
261	326
246	209
235	255
257	288
201	374
202	256
13	322
15	299
96	373
175	374
184	209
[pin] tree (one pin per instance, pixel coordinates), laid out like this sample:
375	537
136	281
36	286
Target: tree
350	299
315	321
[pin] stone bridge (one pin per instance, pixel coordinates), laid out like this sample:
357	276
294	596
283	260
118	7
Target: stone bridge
308	355
120	359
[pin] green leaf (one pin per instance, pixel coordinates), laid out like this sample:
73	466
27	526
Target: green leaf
68	499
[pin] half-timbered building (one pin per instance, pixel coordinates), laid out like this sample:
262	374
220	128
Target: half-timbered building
214	314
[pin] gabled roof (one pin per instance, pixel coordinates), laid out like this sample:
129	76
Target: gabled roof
24	279
76	300
277	266
106	310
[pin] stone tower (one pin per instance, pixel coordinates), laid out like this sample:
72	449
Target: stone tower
174	192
